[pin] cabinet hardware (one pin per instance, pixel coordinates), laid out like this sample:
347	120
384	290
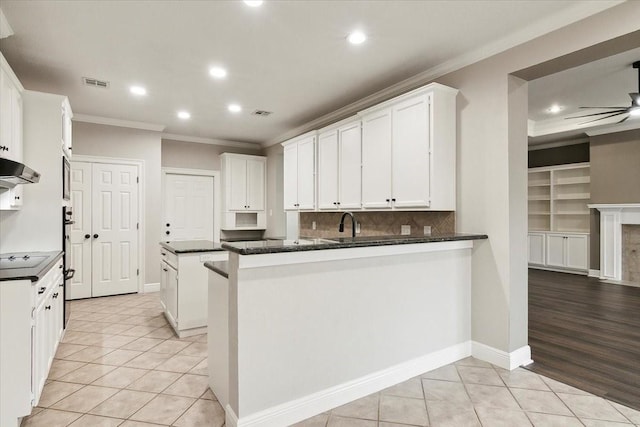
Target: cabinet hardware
41	291
167	232
95	236
164	269
393	200
168	225
55	295
86	236
388	200
48	307
69	273
163	254
17	197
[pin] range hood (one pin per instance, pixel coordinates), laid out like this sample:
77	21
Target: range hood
13	173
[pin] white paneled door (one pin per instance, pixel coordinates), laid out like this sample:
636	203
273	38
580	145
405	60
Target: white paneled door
104	237
188	206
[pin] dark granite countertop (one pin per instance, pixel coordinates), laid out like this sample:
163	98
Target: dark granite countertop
33	273
220	267
188	246
312	244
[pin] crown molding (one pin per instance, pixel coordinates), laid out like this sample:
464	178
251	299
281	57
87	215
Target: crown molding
579	11
86	118
212	141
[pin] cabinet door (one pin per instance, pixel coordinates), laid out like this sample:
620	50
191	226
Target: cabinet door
6	116
306	173
410	154
237	184
164	280
536	249
255	185
40	354
172	296
328	170
350	177
576	252
555	250
376	159
80	285
290	173
11	199
16	125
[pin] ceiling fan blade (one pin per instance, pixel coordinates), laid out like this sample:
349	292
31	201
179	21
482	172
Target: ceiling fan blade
595	114
602	118
626	118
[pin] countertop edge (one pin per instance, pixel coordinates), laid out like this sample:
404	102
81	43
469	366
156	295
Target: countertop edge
220	267
188	251
352	244
39	275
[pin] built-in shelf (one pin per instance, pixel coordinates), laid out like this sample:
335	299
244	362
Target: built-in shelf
558	197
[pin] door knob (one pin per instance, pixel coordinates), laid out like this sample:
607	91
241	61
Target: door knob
86	236
167	232
95	236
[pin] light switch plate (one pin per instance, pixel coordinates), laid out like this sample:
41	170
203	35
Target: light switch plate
427	230
313	225
405	230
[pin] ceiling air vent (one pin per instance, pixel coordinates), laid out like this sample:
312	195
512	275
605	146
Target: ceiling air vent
261	113
89	81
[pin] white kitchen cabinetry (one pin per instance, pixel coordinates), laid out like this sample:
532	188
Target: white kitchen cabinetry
183	289
11	129
31	326
244	192
567	251
299	172
408	151
339	166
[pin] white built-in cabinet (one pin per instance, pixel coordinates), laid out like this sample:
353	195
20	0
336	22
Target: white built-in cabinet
339	166
400	154
559	217
244	191
300	172
11	130
31	325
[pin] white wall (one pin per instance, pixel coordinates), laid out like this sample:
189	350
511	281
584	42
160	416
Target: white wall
192	155
125	143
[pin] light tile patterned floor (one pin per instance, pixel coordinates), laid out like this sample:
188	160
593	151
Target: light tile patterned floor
121	365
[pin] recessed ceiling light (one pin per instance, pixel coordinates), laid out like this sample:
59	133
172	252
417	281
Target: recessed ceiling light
234	108
218	72
184	115
555	109
253	3
357	37
138	90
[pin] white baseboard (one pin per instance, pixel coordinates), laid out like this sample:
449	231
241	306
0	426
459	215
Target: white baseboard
510	361
151	287
300	409
594	273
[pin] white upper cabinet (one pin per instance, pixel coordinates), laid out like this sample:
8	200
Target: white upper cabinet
408	151
299	173
339	166
244	191
10	113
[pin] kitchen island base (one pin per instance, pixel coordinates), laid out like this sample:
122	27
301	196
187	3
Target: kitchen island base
311	330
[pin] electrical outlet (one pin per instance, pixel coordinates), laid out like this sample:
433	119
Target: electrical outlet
405	230
427	230
357	227
313	225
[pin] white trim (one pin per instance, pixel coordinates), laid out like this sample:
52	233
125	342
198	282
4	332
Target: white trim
5	28
510	361
577	12
212	141
99	120
139	163
297	410
151	287
594	273
217	199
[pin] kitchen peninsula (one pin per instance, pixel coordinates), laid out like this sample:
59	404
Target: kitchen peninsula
299	327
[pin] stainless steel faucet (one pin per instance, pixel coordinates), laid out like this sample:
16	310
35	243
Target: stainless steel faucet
353	224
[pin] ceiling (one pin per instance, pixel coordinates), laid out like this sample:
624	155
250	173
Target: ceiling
606	82
287	57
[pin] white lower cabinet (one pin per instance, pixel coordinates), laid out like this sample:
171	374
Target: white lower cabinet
183	289
564	251
31	325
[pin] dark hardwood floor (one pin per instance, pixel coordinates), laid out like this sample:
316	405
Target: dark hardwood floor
586	333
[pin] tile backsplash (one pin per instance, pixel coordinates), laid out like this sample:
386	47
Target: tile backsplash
377	223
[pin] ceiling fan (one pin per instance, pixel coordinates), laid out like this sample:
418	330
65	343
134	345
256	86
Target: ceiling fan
632	110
